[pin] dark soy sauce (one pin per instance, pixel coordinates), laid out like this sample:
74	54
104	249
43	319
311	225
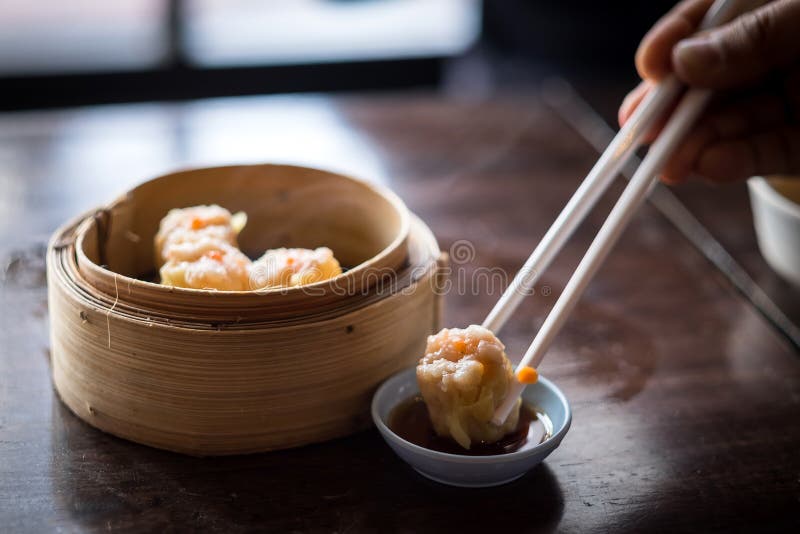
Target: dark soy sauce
410	421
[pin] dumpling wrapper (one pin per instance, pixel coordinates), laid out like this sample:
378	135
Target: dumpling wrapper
463	377
291	267
196	227
223	268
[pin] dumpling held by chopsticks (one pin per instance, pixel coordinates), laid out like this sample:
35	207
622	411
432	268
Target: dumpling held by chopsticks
463	377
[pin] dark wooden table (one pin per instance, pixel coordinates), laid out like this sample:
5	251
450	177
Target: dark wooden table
686	400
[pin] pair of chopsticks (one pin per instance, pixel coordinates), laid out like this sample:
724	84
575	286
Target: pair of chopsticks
619	151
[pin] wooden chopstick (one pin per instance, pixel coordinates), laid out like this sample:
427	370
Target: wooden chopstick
615	156
583	200
628	139
571	107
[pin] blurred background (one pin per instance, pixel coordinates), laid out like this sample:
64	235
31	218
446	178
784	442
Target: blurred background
55	53
99	95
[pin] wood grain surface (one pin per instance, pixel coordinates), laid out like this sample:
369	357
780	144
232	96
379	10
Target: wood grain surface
686	401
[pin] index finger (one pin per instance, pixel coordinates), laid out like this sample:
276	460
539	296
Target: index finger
653	58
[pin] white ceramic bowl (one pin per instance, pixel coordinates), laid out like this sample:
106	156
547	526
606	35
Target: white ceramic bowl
777	222
470	471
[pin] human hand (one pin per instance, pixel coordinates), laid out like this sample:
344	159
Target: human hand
753	64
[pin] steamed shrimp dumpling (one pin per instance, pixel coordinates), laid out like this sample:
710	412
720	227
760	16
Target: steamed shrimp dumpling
189	245
463	377
186	227
196	247
290	267
222	267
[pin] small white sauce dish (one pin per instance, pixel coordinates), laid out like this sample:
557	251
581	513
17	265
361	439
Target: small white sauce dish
470	471
777	222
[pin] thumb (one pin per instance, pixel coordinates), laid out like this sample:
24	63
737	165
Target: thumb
742	51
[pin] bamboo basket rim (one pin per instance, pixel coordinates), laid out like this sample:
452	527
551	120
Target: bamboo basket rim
62	252
101	272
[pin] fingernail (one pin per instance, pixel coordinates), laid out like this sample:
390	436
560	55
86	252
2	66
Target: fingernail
670	180
698	55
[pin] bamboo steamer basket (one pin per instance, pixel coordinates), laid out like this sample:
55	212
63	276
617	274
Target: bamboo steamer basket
216	372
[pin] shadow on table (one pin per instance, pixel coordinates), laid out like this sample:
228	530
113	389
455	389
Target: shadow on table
602	349
350	484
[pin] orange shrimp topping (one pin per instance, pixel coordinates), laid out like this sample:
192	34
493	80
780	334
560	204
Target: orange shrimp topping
215	255
527	375
460	346
197	223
